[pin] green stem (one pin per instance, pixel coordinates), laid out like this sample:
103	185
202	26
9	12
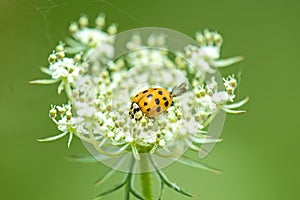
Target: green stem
146	179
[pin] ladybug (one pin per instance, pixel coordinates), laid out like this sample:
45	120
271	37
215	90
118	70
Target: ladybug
154	101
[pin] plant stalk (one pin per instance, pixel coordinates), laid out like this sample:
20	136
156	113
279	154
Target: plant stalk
146	179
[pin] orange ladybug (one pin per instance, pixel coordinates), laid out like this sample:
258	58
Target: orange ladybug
154	101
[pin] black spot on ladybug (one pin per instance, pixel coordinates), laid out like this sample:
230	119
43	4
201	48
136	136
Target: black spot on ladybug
136	110
149	96
164	98
166	103
158	109
148	109
155	89
160	92
157	101
137	95
131	106
145	103
145	91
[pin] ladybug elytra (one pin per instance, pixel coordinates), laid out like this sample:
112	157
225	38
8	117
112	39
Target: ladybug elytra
154	101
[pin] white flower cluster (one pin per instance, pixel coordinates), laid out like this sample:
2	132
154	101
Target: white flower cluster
100	90
86	39
143	54
91	36
62	116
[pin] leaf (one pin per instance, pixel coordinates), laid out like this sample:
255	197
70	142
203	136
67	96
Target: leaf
44	81
109	191
120	185
227	62
109	173
190	162
136	194
52	138
83	159
162	185
173	186
105	177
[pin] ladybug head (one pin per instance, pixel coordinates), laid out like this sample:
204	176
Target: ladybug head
135	112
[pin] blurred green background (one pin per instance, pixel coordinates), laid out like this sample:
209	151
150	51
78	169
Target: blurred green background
260	152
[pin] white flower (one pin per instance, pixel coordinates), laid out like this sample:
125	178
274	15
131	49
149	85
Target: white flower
84	109
220	97
90	36
65	68
211	52
162	142
101	90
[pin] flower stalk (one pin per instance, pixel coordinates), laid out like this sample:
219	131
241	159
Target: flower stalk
146	179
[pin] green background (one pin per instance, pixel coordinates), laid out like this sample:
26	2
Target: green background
260	152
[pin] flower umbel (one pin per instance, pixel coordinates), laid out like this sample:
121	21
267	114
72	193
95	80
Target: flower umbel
102	71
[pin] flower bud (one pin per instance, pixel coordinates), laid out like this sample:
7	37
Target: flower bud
162	143
83	21
59	48
62	110
232	82
143	121
229	90
104	74
52	113
178	114
200	38
52	58
73	28
217	39
77	58
207	35
69	115
150	125
202	92
60	55
112	29
100	21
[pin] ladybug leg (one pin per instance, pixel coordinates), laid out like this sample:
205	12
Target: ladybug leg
152	118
